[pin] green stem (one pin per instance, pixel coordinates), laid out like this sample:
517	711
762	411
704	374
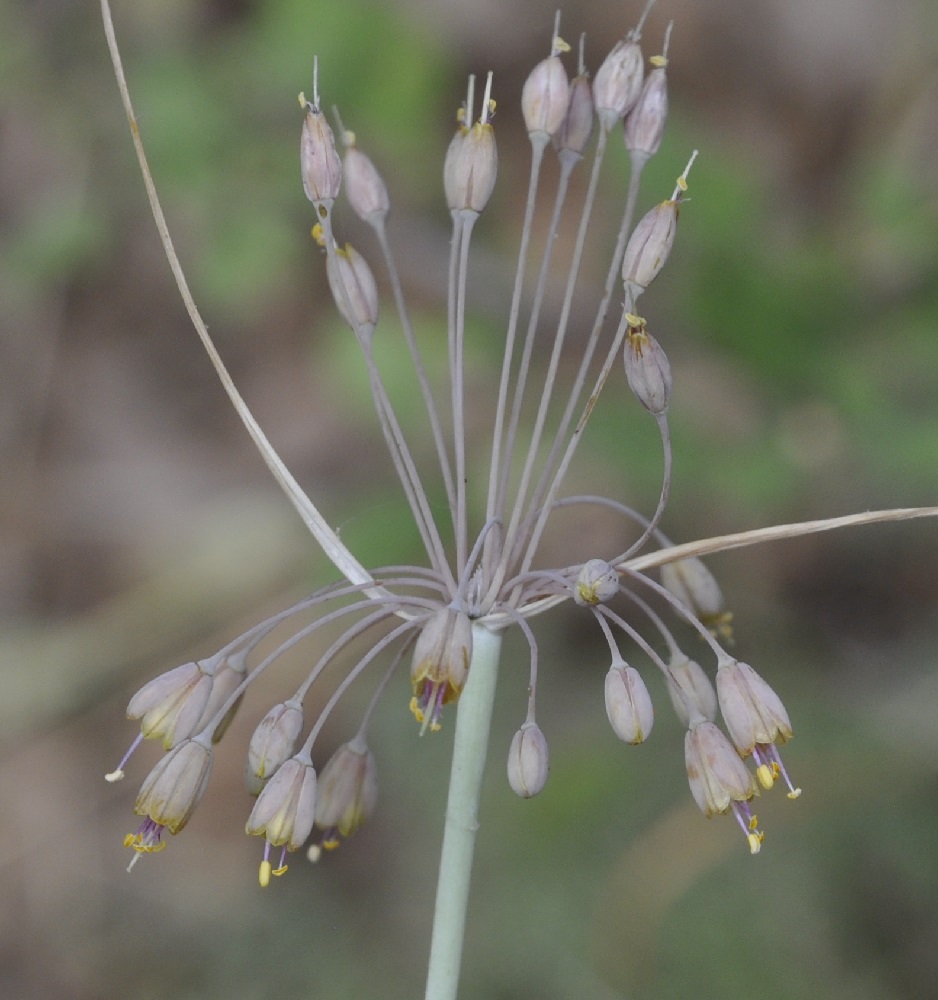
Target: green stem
473	719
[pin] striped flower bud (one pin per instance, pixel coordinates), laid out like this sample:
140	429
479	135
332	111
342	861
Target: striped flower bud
575	131
628	704
440	665
644	125
320	166
649	246
647	369
170	706
618	82
690	689
528	762
470	168
596	583
353	288
697	589
172	790
719	780
545	95
364	186
227	678
347	792
272	742
285	810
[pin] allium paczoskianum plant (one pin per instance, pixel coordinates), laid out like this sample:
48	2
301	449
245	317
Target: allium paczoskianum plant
484	572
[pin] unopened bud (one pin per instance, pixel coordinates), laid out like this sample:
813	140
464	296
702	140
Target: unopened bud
649	246
170	706
697	589
285	809
690	689
618	82
320	166
228	677
272	742
172	790
717	775
470	168
628	704
545	96
644	125
353	287
440	665
366	191
528	761
647	369
596	583
347	792
575	131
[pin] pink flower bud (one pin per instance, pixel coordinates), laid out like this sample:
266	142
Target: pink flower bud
528	762
470	168
649	246
272	742
690	689
353	288
575	131
647	369
618	82
170	706
348	791
545	96
644	125
596	583
364	187
320	166
628	704
285	809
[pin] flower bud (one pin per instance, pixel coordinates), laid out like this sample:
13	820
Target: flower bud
528	762
170	706
285	809
717	776
440	664
320	166
618	82
364	187
272	742
644	125
649	246
353	288
628	704
470	168
647	369
596	583
575	131
227	678
697	589
753	712
690	689
348	790
545	96
172	790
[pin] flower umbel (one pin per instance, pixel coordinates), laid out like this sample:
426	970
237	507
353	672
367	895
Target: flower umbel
483	569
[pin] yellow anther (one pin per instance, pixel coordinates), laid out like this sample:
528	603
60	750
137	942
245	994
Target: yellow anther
755	842
559	45
766	776
682	182
415	709
129	839
659	61
635	322
263	876
754	823
302	99
331	843
113	776
280	871
794	793
318	234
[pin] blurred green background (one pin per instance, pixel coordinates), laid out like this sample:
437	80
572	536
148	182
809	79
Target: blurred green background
139	528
